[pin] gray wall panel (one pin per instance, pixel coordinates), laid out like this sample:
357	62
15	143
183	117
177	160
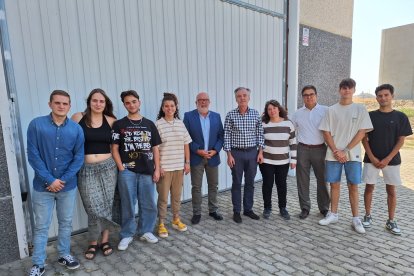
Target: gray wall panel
9	250
152	46
8	237
324	63
4	174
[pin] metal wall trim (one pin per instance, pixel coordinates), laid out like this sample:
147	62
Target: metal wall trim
255	8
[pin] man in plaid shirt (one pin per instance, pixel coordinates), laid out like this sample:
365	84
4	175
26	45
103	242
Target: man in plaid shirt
244	143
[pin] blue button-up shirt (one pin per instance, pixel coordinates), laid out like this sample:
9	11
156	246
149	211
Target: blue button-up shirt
54	152
205	127
243	131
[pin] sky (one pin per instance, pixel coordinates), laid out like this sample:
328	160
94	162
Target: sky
370	18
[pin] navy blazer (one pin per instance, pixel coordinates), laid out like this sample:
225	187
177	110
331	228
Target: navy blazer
216	139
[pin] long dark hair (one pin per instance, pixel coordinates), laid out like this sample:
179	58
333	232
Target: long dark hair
282	111
169	97
109	108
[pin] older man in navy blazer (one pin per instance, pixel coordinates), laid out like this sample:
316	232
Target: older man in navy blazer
206	131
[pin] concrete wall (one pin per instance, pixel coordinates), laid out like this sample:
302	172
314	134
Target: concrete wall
9	250
334	16
397	60
324	63
327	58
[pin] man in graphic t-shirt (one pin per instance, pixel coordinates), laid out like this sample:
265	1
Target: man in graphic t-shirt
135	141
382	147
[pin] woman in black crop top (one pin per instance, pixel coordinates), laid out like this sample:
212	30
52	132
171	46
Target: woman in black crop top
97	177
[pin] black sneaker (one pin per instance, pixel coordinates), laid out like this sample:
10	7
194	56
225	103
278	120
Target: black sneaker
304	214
237	218
251	215
195	219
69	261
37	271
215	215
266	213
284	213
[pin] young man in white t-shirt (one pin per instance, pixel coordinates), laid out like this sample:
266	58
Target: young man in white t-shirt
344	126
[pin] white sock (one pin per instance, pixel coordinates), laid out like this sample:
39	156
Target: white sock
355	219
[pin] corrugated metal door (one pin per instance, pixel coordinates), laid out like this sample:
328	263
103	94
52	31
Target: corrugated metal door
152	46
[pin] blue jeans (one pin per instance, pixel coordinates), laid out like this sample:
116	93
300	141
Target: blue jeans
246	162
353	171
133	186
43	205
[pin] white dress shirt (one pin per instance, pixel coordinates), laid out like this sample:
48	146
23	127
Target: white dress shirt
307	122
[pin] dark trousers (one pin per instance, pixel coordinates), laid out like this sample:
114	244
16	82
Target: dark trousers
246	162
274	174
312	158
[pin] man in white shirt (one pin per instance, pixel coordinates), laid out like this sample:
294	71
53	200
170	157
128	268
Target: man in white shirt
344	126
311	151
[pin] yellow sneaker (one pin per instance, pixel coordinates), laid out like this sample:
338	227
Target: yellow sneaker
162	231
178	225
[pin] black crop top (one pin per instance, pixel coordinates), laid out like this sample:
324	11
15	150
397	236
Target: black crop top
97	140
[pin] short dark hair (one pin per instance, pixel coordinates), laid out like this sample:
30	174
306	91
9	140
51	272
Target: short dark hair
129	93
347	83
309	87
241	88
60	93
385	86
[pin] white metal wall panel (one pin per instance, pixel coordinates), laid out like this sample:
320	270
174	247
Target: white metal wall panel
152	46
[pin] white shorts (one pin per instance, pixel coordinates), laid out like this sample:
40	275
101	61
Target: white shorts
391	174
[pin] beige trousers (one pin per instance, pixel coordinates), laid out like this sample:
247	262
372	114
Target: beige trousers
171	181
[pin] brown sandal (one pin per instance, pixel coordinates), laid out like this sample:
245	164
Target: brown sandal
105	247
91	252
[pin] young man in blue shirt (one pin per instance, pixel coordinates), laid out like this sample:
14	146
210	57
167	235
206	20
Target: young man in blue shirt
55	150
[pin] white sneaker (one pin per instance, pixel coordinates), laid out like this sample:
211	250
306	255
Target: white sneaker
149	237
123	244
330	218
358	227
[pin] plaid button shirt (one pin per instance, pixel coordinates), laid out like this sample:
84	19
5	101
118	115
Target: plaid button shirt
243	130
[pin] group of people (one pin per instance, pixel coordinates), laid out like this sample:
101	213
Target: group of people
133	158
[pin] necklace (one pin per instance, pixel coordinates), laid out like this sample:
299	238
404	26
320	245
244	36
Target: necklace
135	124
170	122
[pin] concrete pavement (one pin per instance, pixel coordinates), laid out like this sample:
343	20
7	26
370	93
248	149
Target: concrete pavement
264	247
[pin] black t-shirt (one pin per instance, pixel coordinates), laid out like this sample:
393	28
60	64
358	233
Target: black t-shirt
135	140
388	127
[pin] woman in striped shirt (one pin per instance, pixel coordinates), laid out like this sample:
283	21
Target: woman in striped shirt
279	152
175	161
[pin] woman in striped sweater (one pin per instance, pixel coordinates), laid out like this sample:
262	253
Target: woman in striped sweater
279	152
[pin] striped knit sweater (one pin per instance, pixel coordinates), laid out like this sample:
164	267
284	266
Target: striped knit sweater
280	143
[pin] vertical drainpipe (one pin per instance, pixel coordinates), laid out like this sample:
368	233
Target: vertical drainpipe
285	83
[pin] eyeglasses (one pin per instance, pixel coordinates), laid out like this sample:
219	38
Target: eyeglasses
308	95
203	100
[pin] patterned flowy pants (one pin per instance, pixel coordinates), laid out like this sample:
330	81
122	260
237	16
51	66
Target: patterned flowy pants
97	185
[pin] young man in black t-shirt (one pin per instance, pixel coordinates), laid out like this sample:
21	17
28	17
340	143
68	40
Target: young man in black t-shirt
135	141
382	147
